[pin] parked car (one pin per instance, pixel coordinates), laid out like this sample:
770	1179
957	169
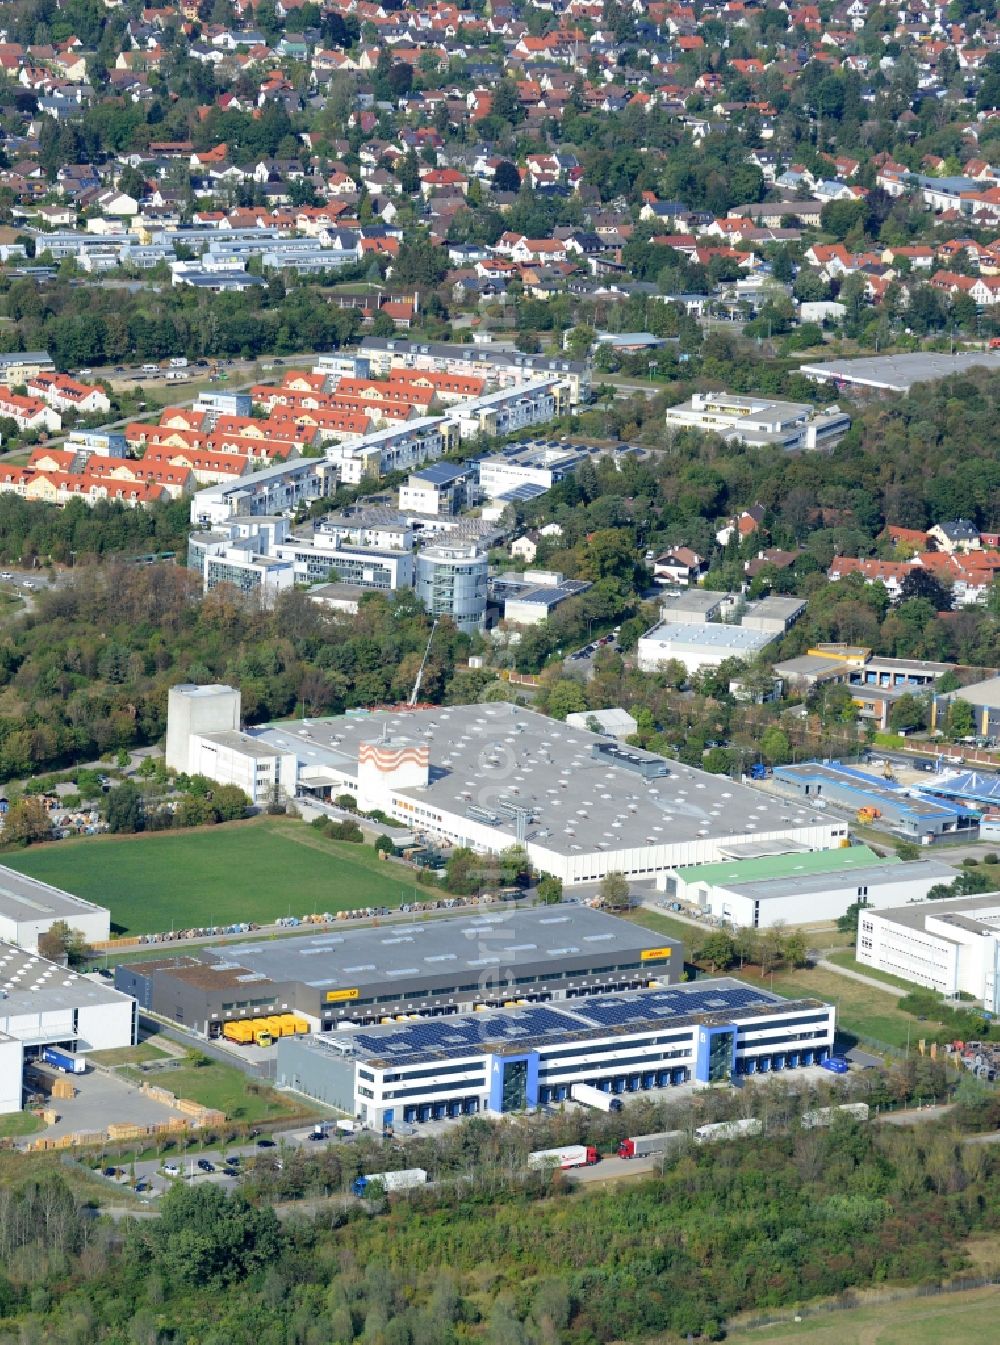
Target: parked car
171	1169
205	1165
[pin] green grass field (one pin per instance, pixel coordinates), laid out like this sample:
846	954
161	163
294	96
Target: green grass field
19	1123
225	1087
129	1055
245	871
848	960
861	1010
950	1319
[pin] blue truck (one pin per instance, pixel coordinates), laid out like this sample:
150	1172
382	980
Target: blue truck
403	1179
64	1060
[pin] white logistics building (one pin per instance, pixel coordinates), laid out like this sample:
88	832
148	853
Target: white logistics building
11	1074
204	738
29	908
951	946
496	775
803	887
511	1060
44	1004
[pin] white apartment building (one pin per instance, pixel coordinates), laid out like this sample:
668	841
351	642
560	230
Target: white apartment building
950	946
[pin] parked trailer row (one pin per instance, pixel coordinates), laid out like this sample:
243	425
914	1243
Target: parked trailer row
265	1031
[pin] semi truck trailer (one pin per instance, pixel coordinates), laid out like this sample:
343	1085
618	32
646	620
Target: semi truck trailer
403	1179
64	1060
729	1130
595	1097
646	1146
568	1156
824	1116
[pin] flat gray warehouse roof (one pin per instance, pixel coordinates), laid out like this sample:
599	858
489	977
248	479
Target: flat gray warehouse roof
876	875
30	984
898	373
24	898
401	953
581	793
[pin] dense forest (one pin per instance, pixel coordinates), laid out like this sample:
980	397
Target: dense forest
503	1258
88	670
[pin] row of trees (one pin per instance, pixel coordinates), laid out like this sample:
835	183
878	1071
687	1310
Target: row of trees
517	1260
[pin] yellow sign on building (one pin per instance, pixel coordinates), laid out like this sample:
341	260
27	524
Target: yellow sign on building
654	954
332	996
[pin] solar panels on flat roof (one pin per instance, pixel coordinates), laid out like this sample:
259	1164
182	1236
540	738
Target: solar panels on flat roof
540	1025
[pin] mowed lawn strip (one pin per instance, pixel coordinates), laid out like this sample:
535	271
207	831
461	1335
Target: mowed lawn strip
245	871
952	1319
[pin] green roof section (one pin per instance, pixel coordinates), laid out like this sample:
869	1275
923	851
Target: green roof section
783	866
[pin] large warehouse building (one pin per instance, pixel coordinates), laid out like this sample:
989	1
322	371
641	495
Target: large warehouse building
43	1004
441	966
496	775
29	908
798	889
511	1059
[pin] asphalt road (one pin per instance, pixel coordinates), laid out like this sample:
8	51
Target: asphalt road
613	1169
151	1171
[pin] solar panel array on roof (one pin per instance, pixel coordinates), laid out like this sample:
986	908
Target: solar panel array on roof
441	473
522	494
533	1026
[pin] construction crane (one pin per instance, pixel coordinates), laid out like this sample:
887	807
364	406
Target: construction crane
423	664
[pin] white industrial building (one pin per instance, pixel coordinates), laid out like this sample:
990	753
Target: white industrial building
509	1060
703	644
204	738
495	775
951	946
29	908
11	1074
43	1004
802	887
760	421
